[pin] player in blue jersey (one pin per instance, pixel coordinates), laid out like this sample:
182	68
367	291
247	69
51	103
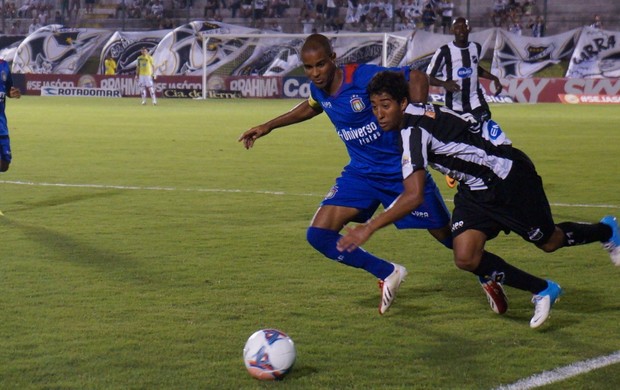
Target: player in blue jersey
499	190
6	89
373	175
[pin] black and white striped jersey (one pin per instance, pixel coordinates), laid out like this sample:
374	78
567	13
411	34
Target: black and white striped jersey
477	156
461	65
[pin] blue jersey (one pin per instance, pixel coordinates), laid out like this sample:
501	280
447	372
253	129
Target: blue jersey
6	82
374	153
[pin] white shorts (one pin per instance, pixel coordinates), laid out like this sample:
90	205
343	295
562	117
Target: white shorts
145	81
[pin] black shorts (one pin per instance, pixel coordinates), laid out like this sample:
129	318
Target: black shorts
517	204
480	114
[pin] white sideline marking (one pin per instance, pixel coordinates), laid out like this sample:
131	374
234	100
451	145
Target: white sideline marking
562	373
156	188
148	188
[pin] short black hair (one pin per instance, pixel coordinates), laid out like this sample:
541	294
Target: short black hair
317	42
391	83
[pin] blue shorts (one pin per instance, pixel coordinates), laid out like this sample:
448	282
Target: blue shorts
5	148
366	195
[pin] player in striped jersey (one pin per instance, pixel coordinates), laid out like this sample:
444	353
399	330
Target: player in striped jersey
499	191
373	176
459	64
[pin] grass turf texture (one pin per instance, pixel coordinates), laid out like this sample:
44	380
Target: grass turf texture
157	283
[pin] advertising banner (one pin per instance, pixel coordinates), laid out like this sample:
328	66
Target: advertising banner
127	86
588	99
530	90
547	90
80	92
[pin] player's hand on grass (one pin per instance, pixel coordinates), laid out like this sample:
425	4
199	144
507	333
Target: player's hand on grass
253	134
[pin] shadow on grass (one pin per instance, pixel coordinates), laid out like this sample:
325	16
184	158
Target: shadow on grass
59	201
301	371
63	247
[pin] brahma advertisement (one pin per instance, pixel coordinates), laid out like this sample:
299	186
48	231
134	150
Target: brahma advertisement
530	90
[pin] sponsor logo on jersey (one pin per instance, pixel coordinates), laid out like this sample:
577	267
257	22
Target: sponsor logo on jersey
464	72
364	135
357	104
494	129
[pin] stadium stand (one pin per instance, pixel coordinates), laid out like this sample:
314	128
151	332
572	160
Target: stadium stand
561	16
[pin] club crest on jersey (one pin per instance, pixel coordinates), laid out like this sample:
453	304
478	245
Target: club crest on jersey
357	104
332	192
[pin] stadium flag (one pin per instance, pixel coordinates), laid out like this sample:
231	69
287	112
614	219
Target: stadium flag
596	55
9	45
125	47
519	56
180	51
55	49
275	56
422	46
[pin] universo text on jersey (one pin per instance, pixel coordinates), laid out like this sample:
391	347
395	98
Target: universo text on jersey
364	134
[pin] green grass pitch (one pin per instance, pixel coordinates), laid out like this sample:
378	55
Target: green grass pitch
141	246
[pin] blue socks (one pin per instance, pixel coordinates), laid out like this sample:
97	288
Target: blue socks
324	241
447	242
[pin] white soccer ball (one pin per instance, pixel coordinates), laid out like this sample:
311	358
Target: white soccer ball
269	354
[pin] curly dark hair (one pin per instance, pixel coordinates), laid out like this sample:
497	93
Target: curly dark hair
391	83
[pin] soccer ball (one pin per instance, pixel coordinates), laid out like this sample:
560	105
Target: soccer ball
269	354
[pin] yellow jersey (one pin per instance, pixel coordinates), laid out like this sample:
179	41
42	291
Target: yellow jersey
145	65
110	66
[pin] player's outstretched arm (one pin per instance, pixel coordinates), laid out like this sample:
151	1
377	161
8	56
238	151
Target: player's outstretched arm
301	112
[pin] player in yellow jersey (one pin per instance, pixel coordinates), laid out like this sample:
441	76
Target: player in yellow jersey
145	73
110	65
